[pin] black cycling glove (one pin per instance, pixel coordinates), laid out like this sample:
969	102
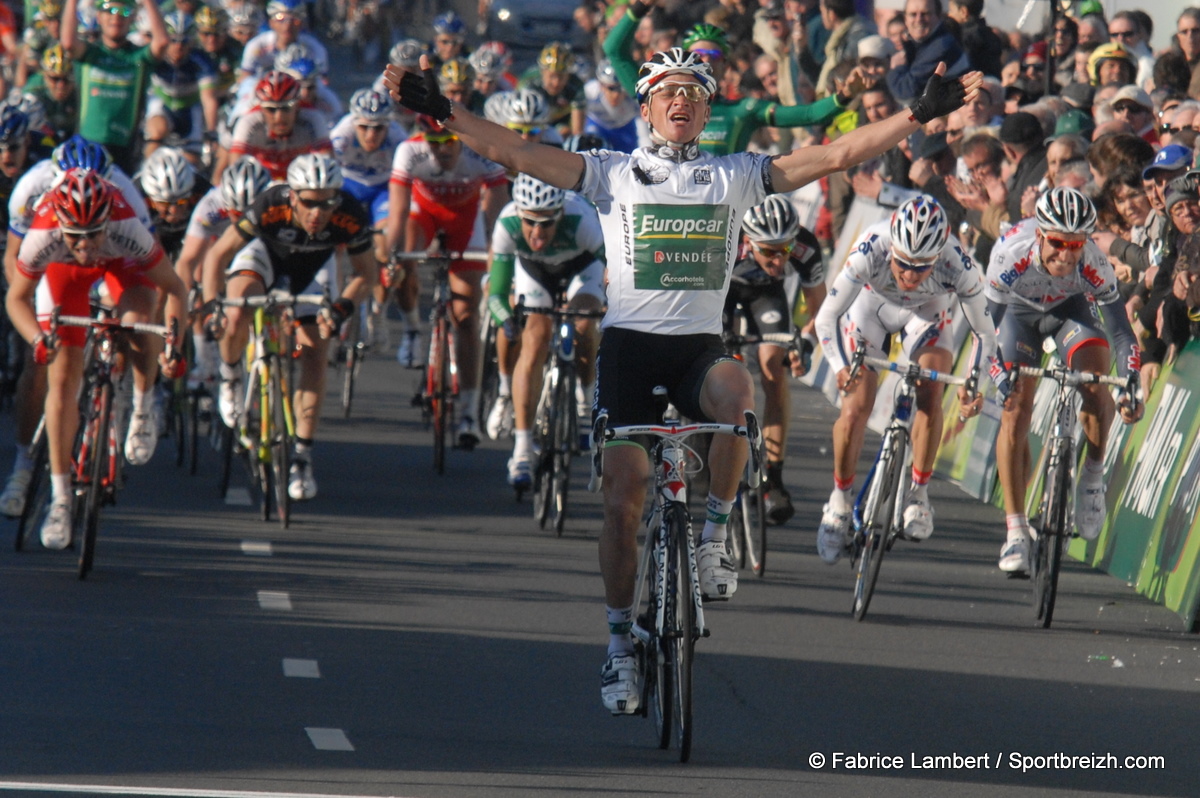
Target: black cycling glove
420	93
942	95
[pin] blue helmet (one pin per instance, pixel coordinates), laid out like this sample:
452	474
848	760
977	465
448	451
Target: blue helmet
449	24
14	126
79	153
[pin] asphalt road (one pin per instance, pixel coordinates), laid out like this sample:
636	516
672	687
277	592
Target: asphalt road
417	635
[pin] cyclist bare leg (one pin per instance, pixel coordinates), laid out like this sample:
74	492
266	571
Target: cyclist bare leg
466	291
138	305
1096	417
526	388
926	438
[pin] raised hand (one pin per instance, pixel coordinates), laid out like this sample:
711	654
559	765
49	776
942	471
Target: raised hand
418	93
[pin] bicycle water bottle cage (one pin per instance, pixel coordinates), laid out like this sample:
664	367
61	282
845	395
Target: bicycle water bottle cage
566	341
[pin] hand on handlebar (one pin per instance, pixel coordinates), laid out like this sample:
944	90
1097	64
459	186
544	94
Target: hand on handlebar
45	347
1130	403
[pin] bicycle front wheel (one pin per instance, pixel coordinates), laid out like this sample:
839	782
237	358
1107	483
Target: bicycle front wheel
438	388
97	449
545	433
281	447
679	624
567	435
489	368
879	515
1052	533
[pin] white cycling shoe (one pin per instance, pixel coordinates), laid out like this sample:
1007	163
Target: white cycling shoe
1090	509
833	535
12	501
1014	556
621	684
718	575
918	519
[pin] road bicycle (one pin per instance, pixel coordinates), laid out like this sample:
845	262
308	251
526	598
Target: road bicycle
1053	519
556	419
878	518
350	349
748	520
96	465
439	389
266	428
667	596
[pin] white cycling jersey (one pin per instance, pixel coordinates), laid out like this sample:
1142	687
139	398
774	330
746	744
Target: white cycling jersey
868	268
671	226
37	181
259	56
367	168
1015	275
210	217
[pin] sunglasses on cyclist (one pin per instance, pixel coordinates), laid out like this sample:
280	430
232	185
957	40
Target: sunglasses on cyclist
710	53
1062	243
120	10
370	127
323	204
278	107
540	221
909	266
692	92
440	138
179	203
526	130
77	235
773	250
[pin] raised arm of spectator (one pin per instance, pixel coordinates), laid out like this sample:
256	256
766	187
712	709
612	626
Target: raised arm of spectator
68	35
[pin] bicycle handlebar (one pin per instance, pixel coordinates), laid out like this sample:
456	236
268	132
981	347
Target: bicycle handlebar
791	340
273	298
426	254
1067	376
564	313
112	324
914	371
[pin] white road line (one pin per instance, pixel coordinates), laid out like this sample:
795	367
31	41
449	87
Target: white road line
257	548
274	600
168	792
238	497
301	668
328	739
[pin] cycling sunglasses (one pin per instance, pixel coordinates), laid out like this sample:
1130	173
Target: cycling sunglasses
1060	243
709	53
89	233
122	11
323	204
440	138
372	127
275	107
692	92
909	266
773	250
179	203
525	130
540	221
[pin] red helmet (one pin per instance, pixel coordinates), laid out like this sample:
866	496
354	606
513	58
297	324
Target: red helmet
427	125
82	199
277	87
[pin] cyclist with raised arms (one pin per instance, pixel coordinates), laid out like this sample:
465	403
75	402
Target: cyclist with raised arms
1047	278
287	240
544	242
439	186
732	123
782	260
278	130
83	231
901	277
669	215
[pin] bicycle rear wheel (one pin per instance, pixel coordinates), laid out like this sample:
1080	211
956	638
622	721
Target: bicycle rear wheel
281	447
228	440
97	449
37	493
753	528
489	368
351	358
567	439
437	387
879	514
545	432
1048	548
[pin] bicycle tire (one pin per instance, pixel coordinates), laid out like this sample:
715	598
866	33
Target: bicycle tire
565	421
1048	548
99	448
193	431
436	387
659	669
37	493
227	442
544	439
681	625
281	448
753	528
177	424
489	368
736	540
349	376
879	514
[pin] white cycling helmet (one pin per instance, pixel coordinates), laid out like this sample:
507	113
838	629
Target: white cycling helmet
407	54
1065	210
774	221
294	52
168	175
531	194
370	106
242	182
675	61
30	105
314	172
527	107
486	64
495	108
245	15
919	229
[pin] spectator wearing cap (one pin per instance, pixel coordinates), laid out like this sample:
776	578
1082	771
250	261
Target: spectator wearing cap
1111	63
1024	147
1073	123
1079	96
285	19
846	29
981	44
1126	27
778	43
929	43
1062	50
1034	65
1134	106
874	55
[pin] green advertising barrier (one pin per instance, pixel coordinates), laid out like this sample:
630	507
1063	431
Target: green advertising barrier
1151	537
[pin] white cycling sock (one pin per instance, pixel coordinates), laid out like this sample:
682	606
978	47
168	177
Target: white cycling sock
1018	526
1093	470
840	502
522	442
141	400
230	371
60	487
620	622
589	391
716	525
505	384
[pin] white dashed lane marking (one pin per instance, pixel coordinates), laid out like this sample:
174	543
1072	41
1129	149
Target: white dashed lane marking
274	600
301	668
238	497
329	739
257	548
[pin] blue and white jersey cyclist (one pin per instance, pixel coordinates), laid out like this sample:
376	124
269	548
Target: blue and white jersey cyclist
1047	278
364	143
904	276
